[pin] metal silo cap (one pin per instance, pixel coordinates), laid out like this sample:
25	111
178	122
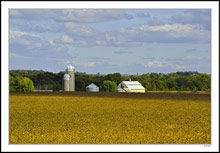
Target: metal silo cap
69	67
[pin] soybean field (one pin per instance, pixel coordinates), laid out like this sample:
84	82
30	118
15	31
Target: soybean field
109	118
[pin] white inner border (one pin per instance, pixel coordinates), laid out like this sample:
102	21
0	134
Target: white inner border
5	146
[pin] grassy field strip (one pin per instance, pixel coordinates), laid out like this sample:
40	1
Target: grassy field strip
105	120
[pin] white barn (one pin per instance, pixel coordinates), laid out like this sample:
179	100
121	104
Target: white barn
131	86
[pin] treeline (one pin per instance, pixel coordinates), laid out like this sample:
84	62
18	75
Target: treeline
179	81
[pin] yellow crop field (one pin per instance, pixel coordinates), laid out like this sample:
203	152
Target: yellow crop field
109	118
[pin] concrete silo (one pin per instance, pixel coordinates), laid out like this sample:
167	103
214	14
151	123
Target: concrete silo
70	71
92	88
66	82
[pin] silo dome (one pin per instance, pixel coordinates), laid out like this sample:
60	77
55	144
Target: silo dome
66	76
69	67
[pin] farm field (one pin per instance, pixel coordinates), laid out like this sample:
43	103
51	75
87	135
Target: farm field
109	118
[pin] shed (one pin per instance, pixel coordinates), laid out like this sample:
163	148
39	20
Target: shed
92	88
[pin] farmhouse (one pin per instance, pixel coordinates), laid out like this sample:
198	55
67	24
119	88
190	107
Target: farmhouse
131	86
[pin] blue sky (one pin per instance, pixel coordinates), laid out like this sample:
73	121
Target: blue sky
110	40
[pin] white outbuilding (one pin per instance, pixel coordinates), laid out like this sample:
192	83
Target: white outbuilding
92	88
131	86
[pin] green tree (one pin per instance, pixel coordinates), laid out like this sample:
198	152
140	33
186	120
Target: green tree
80	83
202	82
11	83
171	83
182	82
153	86
144	79
25	84
109	86
148	86
17	80
194	88
116	77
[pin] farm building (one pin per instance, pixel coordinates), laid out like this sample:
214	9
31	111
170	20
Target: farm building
92	88
131	86
69	79
120	90
66	82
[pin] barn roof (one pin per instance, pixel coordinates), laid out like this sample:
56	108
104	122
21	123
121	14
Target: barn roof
133	85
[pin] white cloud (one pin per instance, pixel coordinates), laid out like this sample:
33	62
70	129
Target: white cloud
52	43
79	29
34	14
101	43
24	38
92	15
85	36
195	16
88	64
29	42
187	62
114	37
170	27
176	66
66	39
35	25
70	15
171	31
168	33
154	64
75	28
159	64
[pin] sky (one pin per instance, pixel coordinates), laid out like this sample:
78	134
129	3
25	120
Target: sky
128	41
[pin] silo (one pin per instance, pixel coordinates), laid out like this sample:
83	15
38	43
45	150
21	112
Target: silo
66	82
92	88
70	71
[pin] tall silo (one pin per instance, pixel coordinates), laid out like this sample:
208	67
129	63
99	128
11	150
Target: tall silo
66	82
70	71
92	88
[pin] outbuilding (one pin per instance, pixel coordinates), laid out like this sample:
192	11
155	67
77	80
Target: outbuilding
92	88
